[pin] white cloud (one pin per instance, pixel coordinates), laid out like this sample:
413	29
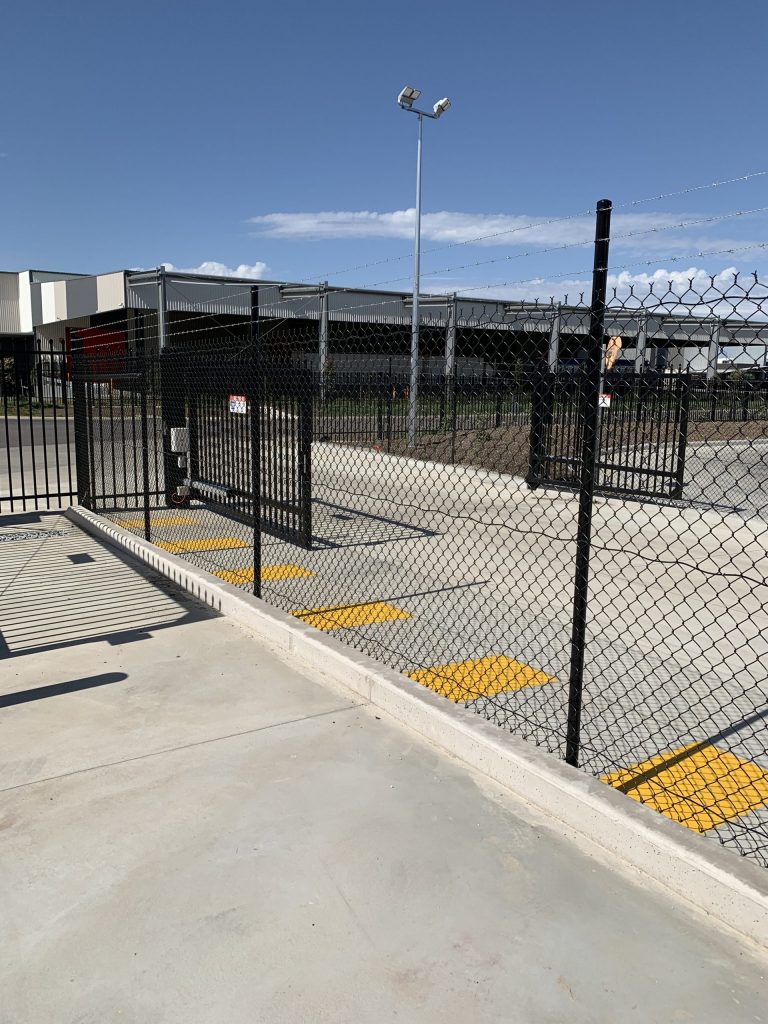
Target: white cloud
694	291
445	226
216	269
647	232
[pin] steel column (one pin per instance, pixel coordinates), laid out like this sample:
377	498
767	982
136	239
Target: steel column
162	327
450	336
713	351
553	354
640	344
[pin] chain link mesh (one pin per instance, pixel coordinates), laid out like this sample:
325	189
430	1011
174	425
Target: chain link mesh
438	530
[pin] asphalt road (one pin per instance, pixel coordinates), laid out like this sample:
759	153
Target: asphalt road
15	433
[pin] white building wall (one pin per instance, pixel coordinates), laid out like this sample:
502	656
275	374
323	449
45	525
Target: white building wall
48	310
56	332
110	291
25	302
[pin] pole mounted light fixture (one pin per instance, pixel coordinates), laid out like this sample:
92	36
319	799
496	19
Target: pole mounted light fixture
408	96
301	291
406	99
531	312
428	300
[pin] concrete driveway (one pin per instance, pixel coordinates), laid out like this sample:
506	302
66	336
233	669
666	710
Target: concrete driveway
729	474
193	831
482	567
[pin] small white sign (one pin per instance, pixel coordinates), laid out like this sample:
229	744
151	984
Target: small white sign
604	402
238	403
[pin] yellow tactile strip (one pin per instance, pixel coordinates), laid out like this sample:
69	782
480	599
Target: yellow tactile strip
185	547
479	677
173	519
698	785
287	571
347	616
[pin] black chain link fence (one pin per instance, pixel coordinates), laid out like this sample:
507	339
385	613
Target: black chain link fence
572	549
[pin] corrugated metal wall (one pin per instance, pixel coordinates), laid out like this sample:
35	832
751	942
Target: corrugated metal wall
10	322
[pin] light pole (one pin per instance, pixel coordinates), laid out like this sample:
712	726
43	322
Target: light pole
406	99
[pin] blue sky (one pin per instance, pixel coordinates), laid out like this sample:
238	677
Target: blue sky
195	133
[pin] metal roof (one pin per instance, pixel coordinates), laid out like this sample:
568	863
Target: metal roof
231	296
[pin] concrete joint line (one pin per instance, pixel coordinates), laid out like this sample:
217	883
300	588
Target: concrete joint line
729	889
162	751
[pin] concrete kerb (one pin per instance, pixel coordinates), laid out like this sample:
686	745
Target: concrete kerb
731	890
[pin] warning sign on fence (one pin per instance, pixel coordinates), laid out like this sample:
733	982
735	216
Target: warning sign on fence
604	402
238	403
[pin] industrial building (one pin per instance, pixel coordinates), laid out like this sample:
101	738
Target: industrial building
352	329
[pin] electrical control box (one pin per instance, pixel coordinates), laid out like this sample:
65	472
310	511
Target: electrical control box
180	439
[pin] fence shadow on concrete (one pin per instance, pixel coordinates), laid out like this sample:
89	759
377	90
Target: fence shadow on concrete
52	597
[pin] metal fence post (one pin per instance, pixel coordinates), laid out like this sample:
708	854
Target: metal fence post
454	417
172	399
144	379
683	399
542	400
323	340
380	398
145	450
590	443
81	428
390	386
498	402
451	328
255	440
173	373
305	464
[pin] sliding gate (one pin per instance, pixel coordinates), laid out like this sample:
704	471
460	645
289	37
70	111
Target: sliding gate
249	442
189	429
643	431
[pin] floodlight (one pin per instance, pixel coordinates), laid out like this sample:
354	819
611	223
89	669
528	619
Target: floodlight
428	300
530	312
406	100
408	96
299	291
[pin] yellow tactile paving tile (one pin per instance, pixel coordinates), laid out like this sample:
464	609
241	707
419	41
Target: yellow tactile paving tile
287	571
346	616
479	677
185	547
698	785
157	520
